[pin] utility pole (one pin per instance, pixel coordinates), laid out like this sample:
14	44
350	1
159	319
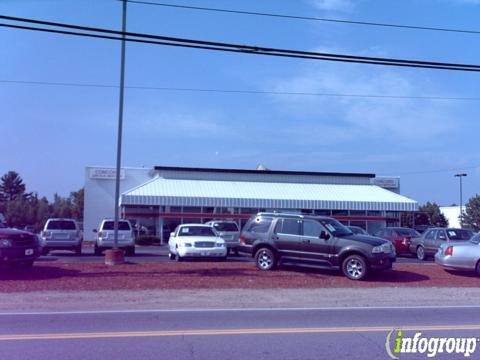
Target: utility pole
116	255
460	176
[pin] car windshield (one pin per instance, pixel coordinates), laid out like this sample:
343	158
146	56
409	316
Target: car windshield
195	231
407	232
122	225
225	226
61	225
459	234
335	227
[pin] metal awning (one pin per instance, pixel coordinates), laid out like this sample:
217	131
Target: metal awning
268	195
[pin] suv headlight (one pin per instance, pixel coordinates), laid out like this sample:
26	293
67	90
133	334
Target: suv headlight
185	244
5	243
220	244
384	248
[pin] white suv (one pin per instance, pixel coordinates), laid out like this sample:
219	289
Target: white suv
61	234
105	234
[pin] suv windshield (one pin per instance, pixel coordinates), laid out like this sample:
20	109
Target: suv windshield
459	234
61	225
225	226
195	231
122	225
335	227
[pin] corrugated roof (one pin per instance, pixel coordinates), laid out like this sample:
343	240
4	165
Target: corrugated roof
269	195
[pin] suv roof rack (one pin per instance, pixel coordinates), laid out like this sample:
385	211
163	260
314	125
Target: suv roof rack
281	214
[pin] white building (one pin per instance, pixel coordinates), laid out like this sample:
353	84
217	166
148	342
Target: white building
452	214
162	197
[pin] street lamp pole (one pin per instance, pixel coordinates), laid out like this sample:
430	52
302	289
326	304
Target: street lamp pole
460	176
120	124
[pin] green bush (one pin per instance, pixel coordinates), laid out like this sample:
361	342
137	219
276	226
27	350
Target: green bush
147	240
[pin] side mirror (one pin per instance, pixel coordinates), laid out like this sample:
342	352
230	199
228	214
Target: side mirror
172	234
95	230
324	235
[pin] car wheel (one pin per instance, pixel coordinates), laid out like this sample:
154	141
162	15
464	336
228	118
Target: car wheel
421	253
355	267
171	256
477	268
130	251
265	259
97	250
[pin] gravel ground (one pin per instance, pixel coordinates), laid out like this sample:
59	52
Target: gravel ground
214	275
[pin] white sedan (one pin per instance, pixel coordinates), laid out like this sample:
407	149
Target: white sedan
195	240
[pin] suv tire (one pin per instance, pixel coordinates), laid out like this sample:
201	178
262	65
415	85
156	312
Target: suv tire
78	249
171	256
477	268
97	250
265	259
355	267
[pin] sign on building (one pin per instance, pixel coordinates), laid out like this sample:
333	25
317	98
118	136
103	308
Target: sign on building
106	173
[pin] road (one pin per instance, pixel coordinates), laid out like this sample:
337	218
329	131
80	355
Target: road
153	254
235	334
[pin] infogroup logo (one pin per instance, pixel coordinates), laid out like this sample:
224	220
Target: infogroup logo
431	346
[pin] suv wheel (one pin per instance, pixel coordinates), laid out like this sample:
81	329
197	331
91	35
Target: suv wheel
265	259
477	268
421	253
130	251
78	249
355	267
171	256
97	250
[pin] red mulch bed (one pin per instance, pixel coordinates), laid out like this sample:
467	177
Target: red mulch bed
214	275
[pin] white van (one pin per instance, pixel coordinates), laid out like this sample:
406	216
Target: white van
105	234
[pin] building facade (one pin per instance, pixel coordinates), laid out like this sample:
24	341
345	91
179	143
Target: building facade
158	199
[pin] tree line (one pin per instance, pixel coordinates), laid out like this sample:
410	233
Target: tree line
19	208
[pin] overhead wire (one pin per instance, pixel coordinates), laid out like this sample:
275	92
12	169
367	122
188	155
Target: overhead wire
300	17
228	47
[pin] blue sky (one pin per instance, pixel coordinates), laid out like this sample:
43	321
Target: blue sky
50	133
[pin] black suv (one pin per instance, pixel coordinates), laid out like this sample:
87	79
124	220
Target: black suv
313	241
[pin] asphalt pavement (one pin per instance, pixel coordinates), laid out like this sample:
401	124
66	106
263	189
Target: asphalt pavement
153	254
322	333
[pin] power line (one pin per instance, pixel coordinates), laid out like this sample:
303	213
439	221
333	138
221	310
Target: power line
229	47
238	91
439	170
299	17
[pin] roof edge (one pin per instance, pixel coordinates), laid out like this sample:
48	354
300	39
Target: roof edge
270	172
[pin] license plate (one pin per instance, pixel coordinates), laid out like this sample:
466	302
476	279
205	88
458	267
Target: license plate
204	253
29	252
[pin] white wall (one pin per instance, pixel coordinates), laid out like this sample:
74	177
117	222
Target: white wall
100	195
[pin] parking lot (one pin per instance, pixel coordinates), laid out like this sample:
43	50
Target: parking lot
155	254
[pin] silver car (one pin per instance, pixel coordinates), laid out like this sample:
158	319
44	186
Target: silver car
228	231
463	255
61	234
428	243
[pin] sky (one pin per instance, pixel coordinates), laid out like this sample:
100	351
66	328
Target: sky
50	133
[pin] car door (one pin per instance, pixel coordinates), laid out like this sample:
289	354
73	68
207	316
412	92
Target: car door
315	249
428	240
287	237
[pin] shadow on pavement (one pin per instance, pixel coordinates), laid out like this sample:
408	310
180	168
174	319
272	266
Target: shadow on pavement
36	273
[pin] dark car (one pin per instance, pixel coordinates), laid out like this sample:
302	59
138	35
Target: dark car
18	247
428	243
399	236
273	238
